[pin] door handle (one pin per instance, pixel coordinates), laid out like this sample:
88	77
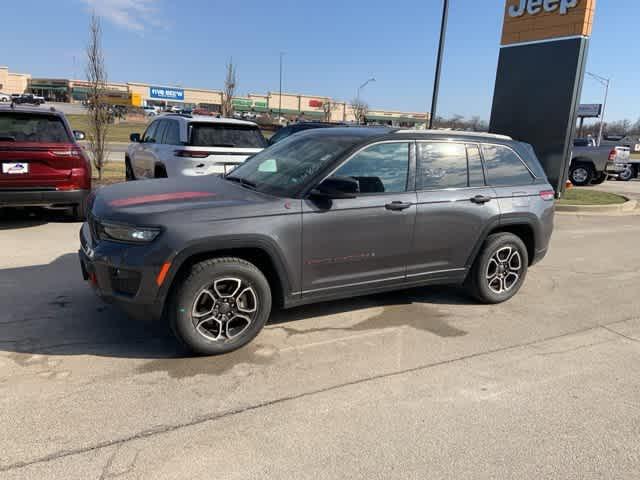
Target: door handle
396	206
480	199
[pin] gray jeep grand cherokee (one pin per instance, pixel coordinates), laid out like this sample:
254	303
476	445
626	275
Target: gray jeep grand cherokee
324	214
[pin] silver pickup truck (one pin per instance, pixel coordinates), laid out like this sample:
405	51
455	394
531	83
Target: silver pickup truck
592	165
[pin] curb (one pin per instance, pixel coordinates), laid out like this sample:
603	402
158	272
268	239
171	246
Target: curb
628	206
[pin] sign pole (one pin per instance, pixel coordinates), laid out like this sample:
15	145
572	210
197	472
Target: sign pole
436	83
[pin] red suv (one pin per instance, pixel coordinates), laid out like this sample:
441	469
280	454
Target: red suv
41	162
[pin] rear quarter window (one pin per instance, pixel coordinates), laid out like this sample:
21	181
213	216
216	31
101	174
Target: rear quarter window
26	127
504	167
225	135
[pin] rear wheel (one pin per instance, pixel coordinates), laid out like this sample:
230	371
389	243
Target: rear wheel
581	174
79	212
628	173
221	305
499	270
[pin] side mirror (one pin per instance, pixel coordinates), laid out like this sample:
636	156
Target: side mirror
79	135
337	187
134	137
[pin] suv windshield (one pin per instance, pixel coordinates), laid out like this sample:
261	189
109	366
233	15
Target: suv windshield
207	134
28	127
284	168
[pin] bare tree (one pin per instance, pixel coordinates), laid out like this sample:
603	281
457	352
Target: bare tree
328	107
98	109
230	84
360	110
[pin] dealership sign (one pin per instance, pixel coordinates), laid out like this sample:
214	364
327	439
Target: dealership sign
535	20
533	7
589	110
165	93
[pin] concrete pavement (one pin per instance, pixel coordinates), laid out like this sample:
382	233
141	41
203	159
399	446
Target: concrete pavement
415	384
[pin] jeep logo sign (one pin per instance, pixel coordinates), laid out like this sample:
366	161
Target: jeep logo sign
535	20
533	7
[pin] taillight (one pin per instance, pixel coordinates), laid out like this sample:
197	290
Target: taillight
191	153
612	155
547	195
66	153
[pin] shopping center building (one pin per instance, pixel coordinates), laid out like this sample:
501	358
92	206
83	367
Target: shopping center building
293	106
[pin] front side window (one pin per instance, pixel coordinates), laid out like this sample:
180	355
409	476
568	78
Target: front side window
285	168
27	127
381	168
441	165
504	167
209	134
149	135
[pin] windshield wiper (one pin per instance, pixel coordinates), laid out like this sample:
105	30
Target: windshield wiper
241	181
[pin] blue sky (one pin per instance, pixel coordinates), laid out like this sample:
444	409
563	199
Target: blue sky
330	47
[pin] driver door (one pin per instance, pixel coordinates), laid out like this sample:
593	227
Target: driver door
362	242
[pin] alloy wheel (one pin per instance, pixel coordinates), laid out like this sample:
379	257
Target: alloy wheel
225	309
504	270
580	175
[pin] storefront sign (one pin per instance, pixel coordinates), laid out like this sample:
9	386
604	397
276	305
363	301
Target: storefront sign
534	20
165	93
316	103
589	110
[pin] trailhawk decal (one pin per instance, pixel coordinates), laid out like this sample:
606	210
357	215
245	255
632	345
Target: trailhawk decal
161	197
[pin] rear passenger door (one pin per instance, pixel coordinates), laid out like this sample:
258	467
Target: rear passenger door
511	179
454	207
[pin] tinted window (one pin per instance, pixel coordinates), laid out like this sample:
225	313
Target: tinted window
221	135
25	127
504	167
380	168
149	135
476	175
162	128
441	165
172	133
281	134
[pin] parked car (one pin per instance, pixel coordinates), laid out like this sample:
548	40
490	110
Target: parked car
29	98
191	145
150	111
5	97
42	164
592	165
325	214
285	132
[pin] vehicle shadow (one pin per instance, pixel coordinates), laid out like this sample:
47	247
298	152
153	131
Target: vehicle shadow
16	218
50	310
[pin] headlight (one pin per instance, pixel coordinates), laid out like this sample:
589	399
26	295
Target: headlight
125	233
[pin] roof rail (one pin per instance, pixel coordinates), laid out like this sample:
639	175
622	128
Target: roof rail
457	133
176	114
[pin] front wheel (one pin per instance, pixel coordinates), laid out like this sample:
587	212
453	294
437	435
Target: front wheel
221	305
600	178
499	270
128	171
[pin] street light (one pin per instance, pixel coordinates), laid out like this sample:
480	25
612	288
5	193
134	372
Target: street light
605	82
436	82
280	94
362	86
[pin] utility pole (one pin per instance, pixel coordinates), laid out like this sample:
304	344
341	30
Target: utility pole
280	94
436	83
605	82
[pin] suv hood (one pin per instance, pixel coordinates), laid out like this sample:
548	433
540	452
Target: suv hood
205	198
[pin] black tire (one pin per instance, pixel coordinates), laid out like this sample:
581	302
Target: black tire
79	212
628	174
599	179
206	276
477	282
128	171
581	174
160	172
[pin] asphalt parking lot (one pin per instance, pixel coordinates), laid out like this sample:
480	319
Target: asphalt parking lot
414	384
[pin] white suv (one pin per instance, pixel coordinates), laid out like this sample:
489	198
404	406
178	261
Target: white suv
191	145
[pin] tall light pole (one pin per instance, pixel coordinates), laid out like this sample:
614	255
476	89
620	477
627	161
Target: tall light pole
436	83
359	105
605	82
280	94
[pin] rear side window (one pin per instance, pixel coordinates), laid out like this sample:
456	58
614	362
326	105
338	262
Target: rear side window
441	165
504	167
221	135
26	127
162	128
